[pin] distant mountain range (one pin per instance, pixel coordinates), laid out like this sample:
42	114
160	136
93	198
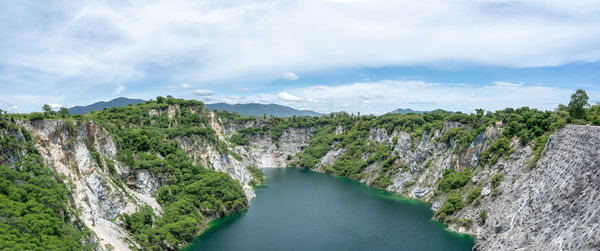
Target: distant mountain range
254	109
99	106
251	109
408	110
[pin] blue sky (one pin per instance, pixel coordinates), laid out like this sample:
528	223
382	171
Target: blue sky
368	56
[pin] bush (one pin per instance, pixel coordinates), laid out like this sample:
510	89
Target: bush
497	150
452	204
453	180
538	148
461	136
483	216
473	194
238	139
257	175
36	116
496	180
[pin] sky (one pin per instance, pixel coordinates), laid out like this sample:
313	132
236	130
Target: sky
368	56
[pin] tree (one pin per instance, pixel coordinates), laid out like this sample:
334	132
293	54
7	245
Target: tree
63	111
47	108
579	100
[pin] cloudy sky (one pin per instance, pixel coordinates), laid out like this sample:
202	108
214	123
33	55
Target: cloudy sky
371	56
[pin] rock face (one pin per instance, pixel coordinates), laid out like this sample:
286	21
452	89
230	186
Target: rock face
263	152
553	206
98	197
209	156
556	205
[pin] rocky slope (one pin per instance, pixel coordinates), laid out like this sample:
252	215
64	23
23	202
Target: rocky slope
551	206
556	205
86	154
98	196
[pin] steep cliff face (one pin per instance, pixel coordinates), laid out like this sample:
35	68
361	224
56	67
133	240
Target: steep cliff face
104	188
556	205
82	153
552	206
264	152
207	155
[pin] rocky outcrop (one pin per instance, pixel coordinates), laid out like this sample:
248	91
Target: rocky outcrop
207	155
264	152
553	206
556	205
81	152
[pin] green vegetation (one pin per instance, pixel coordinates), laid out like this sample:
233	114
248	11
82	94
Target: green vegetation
34	203
538	148
452	204
238	139
148	138
34	209
452	180
461	135
257	175
483	216
495	182
579	100
473	194
495	151
459	221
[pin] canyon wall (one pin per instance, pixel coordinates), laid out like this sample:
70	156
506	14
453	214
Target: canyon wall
553	205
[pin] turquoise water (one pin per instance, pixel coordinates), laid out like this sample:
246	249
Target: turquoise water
296	209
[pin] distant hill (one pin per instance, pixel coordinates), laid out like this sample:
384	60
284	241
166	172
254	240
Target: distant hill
254	109
99	106
408	110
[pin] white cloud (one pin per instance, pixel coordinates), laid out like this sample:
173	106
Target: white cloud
419	95
14	108
186	86
507	84
289	76
99	43
242	89
211	40
118	90
201	92
55	105
288	97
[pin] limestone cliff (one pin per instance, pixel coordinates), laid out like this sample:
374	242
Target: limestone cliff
554	205
83	154
103	187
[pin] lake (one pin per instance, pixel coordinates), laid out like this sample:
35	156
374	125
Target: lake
297	209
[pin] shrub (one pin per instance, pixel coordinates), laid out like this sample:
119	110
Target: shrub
498	149
473	194
257	175
453	180
452	204
238	139
483	216
496	180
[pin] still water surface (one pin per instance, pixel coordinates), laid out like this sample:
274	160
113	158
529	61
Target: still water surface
296	209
